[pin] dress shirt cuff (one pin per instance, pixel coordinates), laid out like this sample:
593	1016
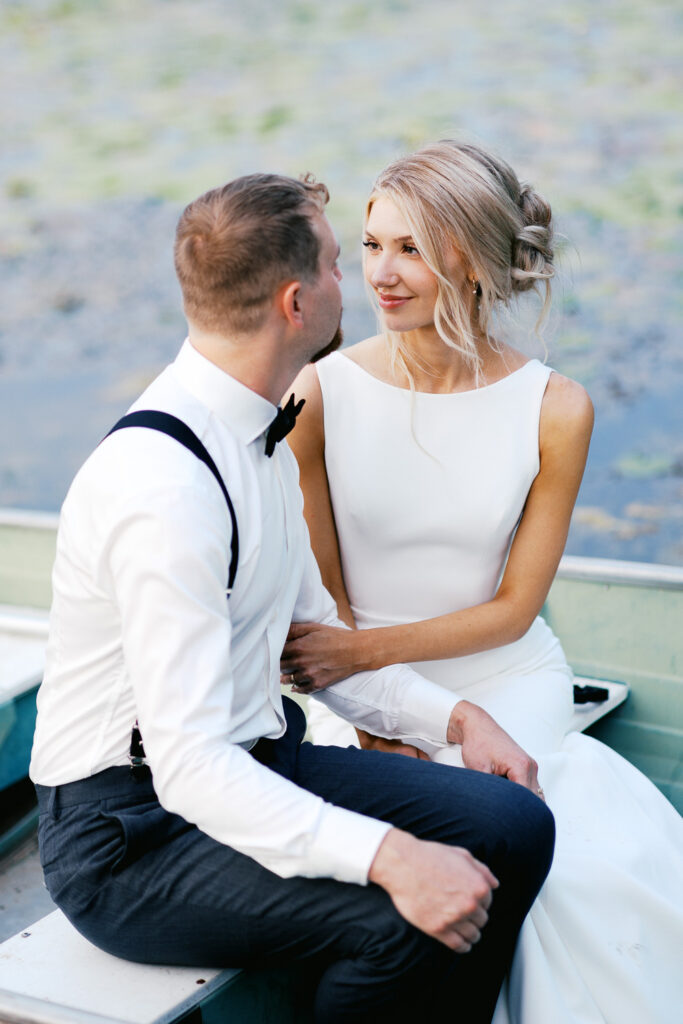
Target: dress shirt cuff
426	710
346	844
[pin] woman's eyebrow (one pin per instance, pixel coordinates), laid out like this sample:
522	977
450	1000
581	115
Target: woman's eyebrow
402	238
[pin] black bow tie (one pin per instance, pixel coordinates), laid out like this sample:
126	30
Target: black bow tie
283	423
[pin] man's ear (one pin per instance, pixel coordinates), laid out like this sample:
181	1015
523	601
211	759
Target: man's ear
290	304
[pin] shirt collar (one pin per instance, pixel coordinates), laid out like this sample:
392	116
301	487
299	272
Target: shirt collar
246	414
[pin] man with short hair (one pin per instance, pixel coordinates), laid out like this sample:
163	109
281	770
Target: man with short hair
228	841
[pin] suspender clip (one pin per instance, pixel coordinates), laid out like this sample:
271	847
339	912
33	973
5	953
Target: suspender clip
136	755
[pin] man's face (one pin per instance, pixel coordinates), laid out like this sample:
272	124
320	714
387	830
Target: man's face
324	294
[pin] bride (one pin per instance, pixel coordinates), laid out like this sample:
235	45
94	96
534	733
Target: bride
439	468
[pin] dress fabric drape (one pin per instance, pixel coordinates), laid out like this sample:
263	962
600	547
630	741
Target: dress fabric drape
427	491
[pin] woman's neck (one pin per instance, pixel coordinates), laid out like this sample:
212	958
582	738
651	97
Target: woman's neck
436	367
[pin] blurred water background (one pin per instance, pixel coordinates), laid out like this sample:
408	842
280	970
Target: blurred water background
116	113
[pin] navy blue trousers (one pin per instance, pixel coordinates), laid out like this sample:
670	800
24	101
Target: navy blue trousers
146	885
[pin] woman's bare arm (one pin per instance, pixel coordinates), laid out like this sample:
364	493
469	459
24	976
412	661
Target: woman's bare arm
324	655
307	441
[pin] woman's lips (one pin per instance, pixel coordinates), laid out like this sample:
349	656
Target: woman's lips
392	301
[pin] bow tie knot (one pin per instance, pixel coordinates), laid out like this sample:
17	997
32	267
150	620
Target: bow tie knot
283	423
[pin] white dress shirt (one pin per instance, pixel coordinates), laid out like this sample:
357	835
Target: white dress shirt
140	627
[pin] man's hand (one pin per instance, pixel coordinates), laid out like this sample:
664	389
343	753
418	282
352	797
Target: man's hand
488	748
442	890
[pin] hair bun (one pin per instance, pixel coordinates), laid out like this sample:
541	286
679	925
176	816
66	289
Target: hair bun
532	249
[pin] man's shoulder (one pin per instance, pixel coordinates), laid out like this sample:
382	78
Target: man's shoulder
167	394
141	479
133	463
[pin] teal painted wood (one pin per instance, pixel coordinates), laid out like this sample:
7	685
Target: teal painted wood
611	628
283	995
624	622
17	723
27	549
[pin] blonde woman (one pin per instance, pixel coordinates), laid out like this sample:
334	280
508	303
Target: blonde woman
440	467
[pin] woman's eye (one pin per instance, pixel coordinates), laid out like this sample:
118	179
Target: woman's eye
410	250
369	244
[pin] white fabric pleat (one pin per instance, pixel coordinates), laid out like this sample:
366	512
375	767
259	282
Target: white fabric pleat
426	495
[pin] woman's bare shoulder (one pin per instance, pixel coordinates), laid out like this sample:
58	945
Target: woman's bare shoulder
370	353
308	434
567	398
306	385
567	409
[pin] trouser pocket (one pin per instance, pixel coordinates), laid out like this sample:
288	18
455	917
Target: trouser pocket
142	830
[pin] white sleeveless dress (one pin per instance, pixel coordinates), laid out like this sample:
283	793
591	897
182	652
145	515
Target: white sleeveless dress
427	491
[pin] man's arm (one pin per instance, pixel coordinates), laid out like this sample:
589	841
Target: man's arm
166	564
177	635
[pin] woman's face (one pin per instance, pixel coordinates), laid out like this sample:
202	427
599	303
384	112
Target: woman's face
405	287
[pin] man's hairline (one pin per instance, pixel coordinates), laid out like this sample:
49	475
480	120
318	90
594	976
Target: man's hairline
313	207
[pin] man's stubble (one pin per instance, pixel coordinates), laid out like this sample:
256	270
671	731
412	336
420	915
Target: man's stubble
331	346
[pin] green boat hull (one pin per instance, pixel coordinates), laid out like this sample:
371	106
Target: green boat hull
624	621
616	620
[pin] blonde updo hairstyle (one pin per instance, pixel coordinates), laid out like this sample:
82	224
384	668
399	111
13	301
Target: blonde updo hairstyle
456	198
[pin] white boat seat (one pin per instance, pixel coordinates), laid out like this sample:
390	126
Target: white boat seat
49	974
587	714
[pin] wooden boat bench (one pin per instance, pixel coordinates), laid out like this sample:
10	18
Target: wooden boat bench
588	714
49	974
23	634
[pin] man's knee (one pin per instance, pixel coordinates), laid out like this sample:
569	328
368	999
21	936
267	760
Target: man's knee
526	837
500	822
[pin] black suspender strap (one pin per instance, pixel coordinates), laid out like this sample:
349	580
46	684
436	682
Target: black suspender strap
165	423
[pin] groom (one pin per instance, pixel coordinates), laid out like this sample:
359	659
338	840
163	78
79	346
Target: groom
227	840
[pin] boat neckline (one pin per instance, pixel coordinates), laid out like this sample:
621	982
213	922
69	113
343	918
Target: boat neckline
441	394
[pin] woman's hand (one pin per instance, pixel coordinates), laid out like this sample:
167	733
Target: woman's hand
316	656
